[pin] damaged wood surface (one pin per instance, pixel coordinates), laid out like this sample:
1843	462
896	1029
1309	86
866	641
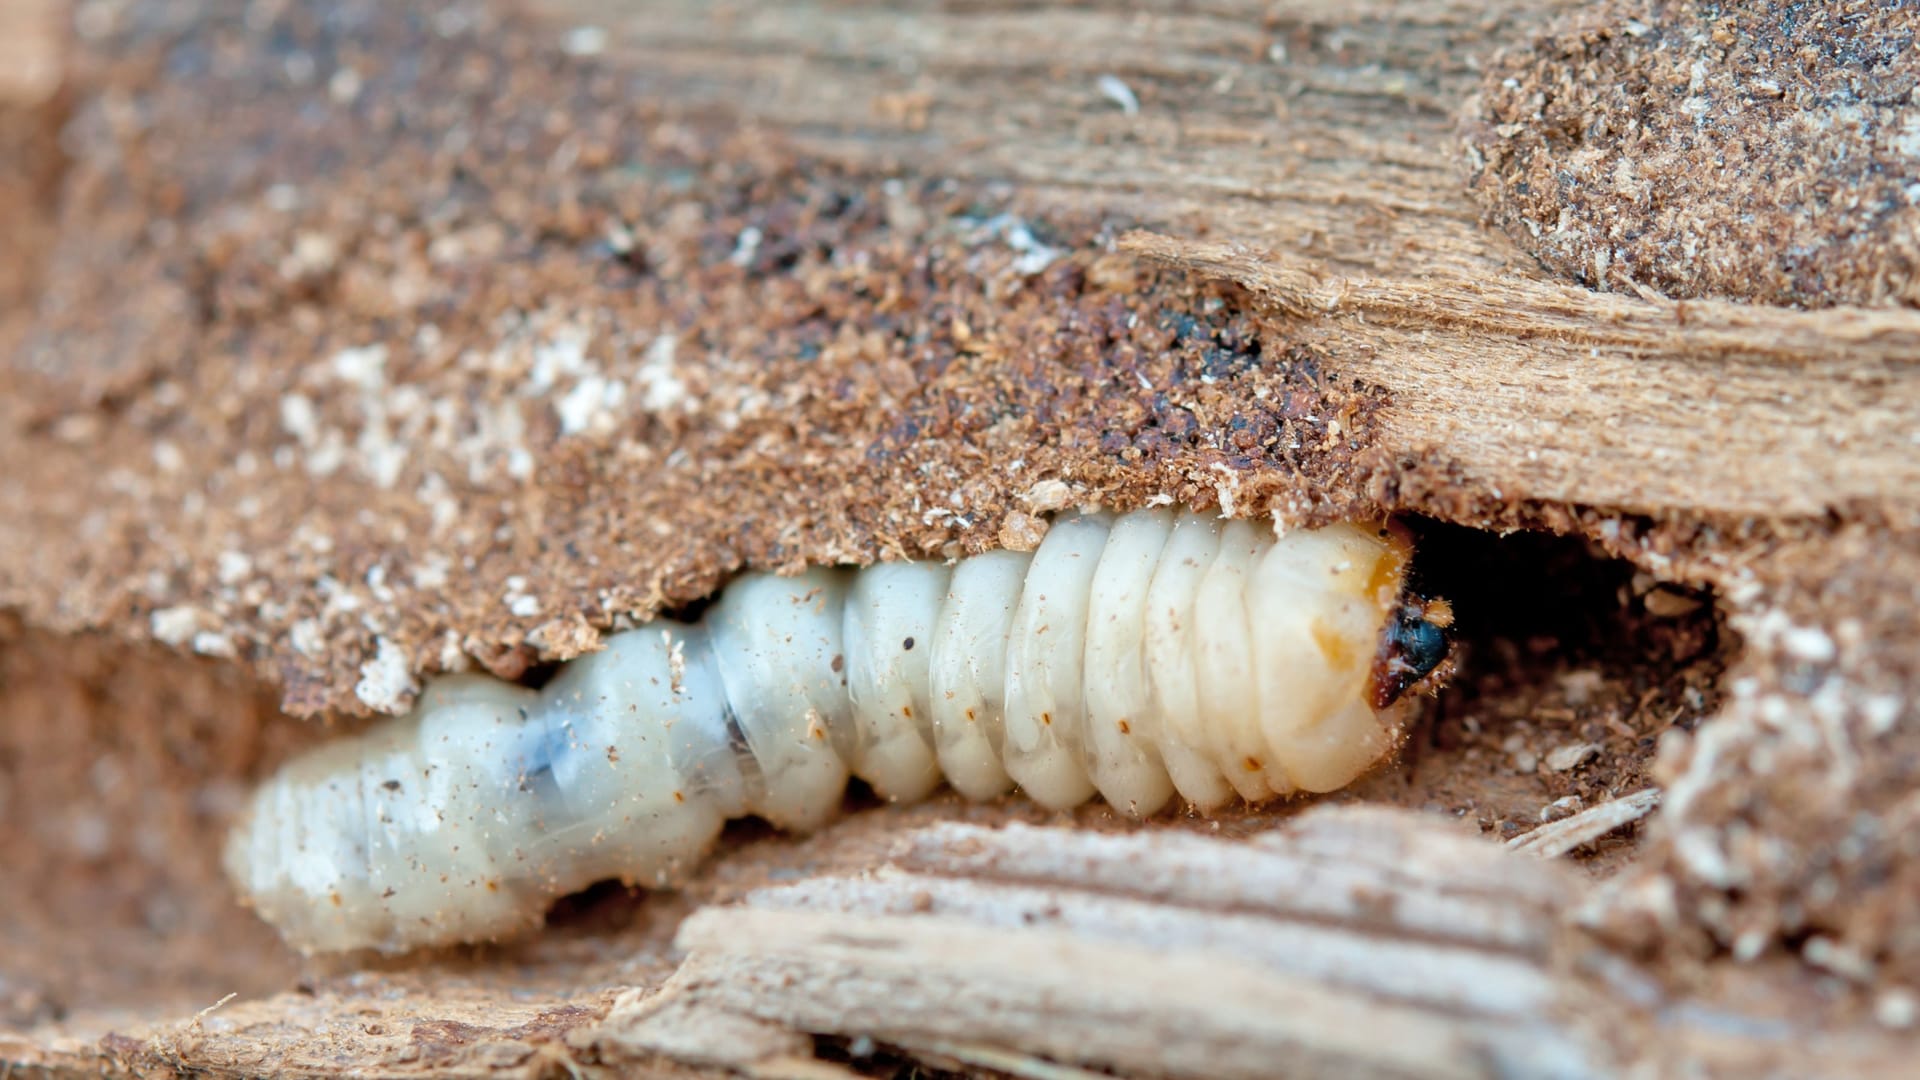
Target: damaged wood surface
481	468
1352	942
365	343
1310	153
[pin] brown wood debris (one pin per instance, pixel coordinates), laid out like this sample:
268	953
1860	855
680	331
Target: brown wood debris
1760	151
354	342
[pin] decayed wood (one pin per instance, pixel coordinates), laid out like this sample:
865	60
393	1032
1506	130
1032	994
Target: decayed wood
1537	390
1305	151
1356	942
1353	942
1320	140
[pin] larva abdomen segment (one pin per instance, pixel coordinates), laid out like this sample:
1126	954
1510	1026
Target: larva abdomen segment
1139	656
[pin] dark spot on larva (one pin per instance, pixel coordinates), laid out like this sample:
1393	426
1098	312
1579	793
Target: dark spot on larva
906	711
1414	646
679	796
335	897
391	785
1046	718
1125	728
493	886
969	716
839	662
1251	764
389	894
907	645
613	755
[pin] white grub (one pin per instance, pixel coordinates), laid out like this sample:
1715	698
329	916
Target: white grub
1140	657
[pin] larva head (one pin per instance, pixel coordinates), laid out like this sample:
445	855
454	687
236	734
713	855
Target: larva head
1414	642
1392	640
1414	646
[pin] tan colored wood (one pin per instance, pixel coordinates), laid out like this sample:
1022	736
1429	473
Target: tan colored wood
1326	179
1353	942
1357	943
1305	151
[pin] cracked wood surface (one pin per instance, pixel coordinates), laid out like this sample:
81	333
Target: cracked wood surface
1309	152
1354	941
1303	153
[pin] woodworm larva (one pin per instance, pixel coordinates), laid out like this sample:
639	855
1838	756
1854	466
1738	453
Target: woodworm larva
1134	656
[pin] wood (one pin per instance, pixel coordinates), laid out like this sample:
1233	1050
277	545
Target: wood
1533	390
1307	151
1353	942
1112	951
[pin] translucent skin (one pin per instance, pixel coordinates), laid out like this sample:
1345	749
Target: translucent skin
1137	657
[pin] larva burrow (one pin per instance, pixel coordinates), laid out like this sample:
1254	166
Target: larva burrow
1136	656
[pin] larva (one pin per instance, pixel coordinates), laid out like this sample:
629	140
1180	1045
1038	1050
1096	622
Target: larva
1134	656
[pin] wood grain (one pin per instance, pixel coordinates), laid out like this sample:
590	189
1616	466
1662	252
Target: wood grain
1355	941
1308	151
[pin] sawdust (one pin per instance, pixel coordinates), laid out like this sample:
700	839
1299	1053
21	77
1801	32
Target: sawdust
1791	816
576	363
430	347
1756	151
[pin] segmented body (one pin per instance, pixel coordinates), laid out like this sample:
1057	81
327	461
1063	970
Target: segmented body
1134	656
